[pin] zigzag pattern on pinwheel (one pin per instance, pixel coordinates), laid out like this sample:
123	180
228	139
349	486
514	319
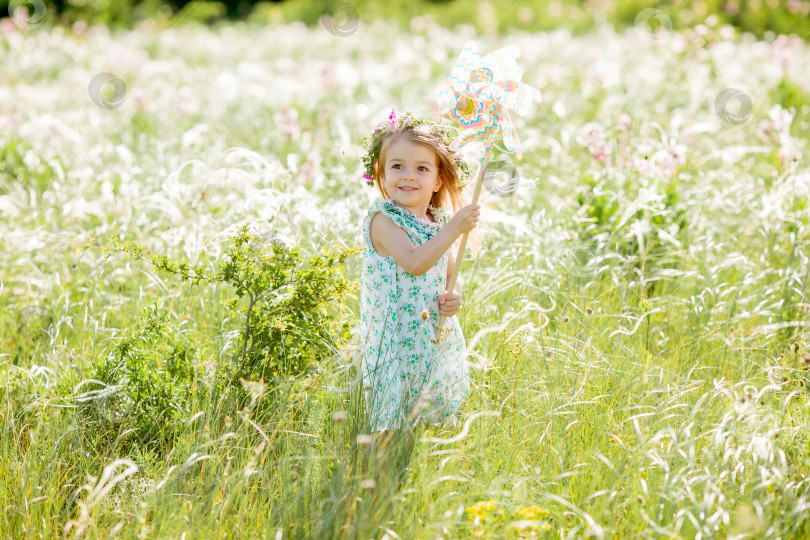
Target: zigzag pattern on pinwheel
482	74
468	61
513	95
473	122
482	119
504	63
472	136
492	84
510	137
493	92
522	99
446	98
453	114
464	138
485	131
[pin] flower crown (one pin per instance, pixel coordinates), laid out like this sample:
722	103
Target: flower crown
373	143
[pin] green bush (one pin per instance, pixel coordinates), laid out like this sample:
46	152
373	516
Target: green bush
144	384
288	307
287	326
289	310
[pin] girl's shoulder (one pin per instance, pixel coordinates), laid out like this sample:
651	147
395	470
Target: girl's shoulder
388	208
403	217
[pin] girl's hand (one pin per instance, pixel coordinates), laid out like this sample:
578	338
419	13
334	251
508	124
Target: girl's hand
449	303
467	218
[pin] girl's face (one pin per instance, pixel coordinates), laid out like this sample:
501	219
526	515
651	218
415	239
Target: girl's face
410	176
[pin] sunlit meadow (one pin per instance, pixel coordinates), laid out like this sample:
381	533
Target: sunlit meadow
635	319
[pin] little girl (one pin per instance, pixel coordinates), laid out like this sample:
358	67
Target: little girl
407	372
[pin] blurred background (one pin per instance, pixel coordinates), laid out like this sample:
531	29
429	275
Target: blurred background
760	17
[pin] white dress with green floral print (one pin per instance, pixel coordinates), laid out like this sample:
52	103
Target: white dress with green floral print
405	374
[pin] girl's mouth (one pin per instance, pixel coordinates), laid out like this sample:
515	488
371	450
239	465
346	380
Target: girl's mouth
407	189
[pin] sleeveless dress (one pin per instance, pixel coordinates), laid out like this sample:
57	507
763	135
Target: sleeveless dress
406	376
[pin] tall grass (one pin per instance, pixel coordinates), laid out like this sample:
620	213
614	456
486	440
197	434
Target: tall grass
635	320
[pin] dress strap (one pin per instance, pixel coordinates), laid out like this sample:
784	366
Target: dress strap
419	230
441	215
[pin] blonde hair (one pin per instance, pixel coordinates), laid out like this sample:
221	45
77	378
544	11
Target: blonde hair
451	193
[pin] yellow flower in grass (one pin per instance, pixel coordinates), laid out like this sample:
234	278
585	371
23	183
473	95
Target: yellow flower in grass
486	517
527	521
530	512
482	509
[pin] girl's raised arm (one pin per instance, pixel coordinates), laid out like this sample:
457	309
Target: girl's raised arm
389	240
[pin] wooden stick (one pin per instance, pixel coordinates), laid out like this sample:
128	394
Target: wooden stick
460	256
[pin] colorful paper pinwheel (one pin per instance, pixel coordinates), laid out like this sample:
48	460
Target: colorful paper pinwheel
481	93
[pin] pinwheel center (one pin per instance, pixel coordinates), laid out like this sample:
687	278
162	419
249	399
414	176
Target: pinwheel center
464	106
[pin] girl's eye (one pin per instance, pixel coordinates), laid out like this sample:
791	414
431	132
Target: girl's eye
423	168
396	166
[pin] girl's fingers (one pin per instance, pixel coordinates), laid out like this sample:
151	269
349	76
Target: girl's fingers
449	309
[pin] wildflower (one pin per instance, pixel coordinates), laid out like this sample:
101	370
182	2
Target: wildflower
530	512
481	509
340	416
425	315
363	439
256	388
588	310
368	483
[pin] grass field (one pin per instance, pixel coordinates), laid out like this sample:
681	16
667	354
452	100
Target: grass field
636	317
